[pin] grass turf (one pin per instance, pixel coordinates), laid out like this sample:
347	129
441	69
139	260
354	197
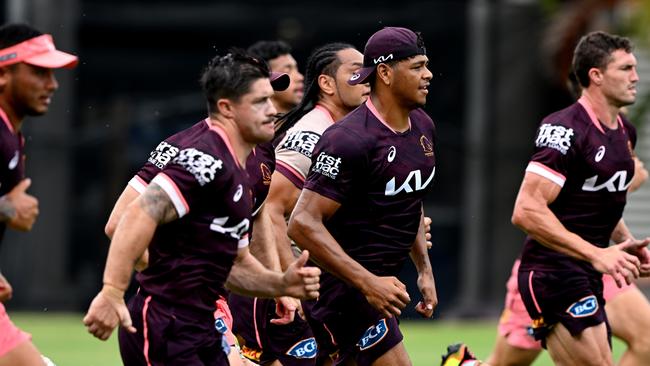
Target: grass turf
63	338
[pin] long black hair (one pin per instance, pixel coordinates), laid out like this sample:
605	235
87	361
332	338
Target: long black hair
323	60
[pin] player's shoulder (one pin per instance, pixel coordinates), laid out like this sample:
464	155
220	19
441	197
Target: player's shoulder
573	116
316	120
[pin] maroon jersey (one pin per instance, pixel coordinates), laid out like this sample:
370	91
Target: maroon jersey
380	177
594	167
190	258
12	167
260	166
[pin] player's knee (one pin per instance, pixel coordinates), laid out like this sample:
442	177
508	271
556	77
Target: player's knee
640	345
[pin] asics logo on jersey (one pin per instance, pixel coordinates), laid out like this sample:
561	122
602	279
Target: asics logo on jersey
307	348
600	154
554	137
617	183
238	193
391	154
203	166
584	307
327	165
418	185
163	154
236	232
373	335
13	163
382	58
302	142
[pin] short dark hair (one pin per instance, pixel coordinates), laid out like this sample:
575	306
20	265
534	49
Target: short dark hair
595	50
13	33
268	50
231	76
323	60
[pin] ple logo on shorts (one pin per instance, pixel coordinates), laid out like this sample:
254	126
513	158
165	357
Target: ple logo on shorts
307	348
373	335
220	325
584	307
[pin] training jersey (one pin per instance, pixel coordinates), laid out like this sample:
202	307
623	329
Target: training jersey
12	161
294	152
190	258
593	165
260	166
380	177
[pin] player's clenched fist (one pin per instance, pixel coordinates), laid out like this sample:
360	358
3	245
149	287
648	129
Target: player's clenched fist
20	207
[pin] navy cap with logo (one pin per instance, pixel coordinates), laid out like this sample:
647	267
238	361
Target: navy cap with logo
388	44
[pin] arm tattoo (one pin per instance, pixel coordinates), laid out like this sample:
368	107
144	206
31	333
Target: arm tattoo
157	204
7	210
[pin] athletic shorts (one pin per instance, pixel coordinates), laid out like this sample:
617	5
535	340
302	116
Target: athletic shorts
571	298
263	342
10	336
171	335
515	325
356	329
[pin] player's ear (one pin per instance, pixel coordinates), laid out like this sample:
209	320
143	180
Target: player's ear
225	108
595	75
384	73
5	74
326	84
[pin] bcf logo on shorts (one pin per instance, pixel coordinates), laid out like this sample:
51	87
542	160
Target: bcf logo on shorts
584	307
373	335
306	348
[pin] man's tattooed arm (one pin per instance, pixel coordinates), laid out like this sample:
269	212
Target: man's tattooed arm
157	204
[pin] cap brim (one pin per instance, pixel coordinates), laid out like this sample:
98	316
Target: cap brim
361	77
279	81
53	59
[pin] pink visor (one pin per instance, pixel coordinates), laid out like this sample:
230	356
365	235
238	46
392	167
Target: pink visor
37	51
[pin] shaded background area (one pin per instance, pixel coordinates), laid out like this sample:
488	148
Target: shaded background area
499	67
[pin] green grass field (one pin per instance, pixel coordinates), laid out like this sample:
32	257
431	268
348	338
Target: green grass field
63	338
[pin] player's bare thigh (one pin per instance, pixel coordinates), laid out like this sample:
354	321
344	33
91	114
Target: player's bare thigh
589	348
395	356
505	354
629	317
25	354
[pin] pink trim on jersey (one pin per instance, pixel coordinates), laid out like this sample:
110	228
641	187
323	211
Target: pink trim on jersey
325	111
374	111
328	329
138	184
224	137
292	170
5	118
145	330
546	172
532	293
257	332
586	104
175	195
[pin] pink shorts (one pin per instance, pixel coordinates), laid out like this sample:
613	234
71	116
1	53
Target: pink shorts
10	336
515	322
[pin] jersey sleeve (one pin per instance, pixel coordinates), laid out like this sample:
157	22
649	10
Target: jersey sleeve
554	150
339	158
187	177
158	159
293	154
